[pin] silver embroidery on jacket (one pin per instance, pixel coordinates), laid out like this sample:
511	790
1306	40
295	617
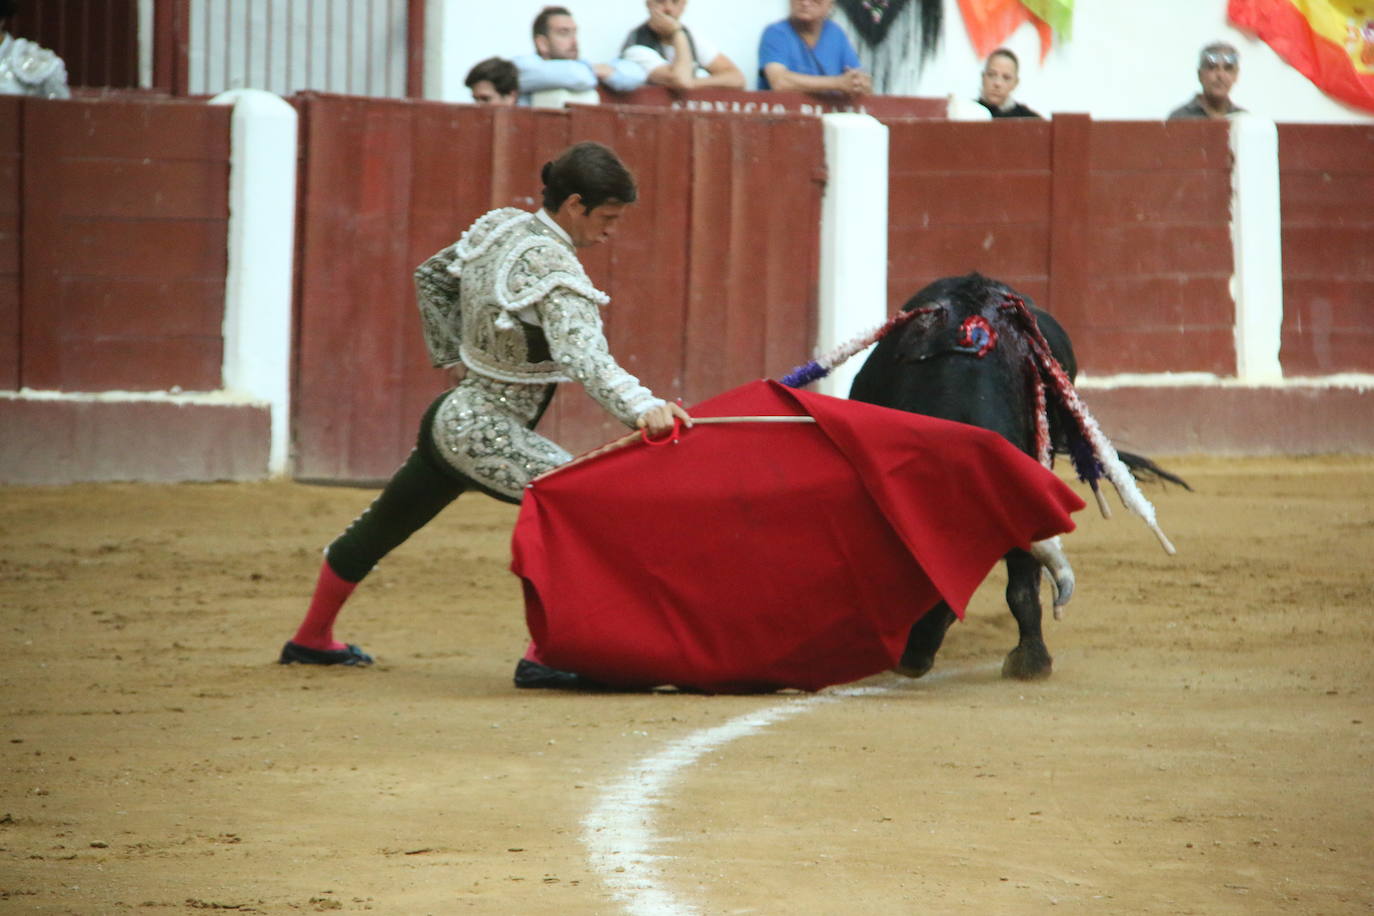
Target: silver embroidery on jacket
482	429
28	68
511	301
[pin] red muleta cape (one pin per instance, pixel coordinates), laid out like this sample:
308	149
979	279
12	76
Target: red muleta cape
757	556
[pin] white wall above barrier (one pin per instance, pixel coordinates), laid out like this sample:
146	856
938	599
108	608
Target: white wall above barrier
1126	61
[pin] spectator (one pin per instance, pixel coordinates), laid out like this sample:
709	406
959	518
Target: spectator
1001	75
27	68
494	81
676	58
806	52
557	65
1217	68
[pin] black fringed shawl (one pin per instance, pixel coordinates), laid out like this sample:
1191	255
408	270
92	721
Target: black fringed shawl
917	32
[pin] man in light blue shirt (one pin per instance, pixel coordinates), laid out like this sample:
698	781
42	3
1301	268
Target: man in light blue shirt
557	64
806	52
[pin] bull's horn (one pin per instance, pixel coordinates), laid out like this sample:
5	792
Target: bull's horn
1101	498
1051	556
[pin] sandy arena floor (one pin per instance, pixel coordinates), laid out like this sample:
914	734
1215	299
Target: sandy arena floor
1206	744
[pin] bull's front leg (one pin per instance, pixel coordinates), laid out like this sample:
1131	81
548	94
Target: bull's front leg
1030	660
924	641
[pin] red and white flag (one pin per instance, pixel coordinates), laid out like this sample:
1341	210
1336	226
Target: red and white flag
1331	42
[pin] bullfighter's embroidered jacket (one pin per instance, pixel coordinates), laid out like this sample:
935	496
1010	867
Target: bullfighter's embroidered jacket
27	68
511	302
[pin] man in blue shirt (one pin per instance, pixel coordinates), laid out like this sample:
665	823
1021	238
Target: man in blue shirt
557	65
806	52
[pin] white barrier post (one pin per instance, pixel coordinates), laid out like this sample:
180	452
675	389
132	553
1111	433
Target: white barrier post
853	280
1257	285
257	288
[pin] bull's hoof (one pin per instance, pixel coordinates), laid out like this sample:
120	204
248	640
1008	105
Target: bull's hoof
915	667
1025	663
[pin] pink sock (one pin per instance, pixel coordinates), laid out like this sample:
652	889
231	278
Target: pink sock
532	654
317	629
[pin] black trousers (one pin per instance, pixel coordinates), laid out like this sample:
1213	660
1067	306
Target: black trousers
419	490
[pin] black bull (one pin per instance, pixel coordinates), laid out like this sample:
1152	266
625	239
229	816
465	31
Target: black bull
945	362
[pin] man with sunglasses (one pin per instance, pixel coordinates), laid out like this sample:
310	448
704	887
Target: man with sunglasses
1217	69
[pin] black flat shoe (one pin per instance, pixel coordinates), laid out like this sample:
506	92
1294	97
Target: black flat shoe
532	675
304	655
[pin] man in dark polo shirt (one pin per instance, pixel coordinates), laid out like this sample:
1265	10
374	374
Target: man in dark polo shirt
1217	69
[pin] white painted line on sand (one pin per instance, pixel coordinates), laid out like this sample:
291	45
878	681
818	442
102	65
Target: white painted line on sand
619	831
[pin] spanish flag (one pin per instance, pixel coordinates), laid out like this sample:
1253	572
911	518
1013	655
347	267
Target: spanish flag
1331	42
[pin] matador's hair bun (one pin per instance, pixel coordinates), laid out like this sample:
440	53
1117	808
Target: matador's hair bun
590	170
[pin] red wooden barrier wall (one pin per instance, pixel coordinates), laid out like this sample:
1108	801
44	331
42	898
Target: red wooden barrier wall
356	361
968	196
736	101
113	217
712	275
1119	228
1159	254
125	209
1326	183
11	150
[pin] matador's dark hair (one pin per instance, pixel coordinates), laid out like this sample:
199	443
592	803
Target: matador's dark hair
8	8
591	170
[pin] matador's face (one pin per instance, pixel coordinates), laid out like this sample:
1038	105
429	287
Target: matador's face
589	227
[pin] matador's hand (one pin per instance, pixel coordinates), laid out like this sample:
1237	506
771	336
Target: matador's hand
659	420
